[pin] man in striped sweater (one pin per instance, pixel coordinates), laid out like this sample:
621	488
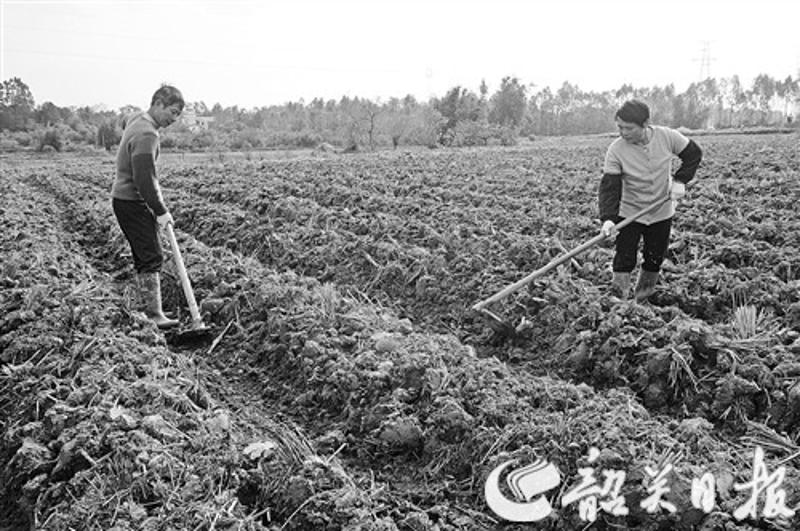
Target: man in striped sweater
136	196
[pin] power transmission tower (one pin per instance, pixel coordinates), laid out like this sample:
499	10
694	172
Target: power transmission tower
705	61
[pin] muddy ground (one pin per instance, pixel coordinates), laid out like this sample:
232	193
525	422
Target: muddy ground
351	387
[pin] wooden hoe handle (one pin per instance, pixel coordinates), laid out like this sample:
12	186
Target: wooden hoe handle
508	290
185	283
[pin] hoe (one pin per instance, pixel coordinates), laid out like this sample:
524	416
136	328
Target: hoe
197	332
506	329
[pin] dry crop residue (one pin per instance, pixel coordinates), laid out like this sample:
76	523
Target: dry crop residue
353	389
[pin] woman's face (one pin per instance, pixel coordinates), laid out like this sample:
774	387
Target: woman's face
631	132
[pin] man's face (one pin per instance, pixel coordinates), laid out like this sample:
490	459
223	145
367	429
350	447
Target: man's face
166	115
631	132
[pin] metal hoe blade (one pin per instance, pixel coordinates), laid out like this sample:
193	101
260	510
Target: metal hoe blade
493	321
504	328
198	332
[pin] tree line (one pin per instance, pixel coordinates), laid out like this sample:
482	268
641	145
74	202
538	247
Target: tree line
460	117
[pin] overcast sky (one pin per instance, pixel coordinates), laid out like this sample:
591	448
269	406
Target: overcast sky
255	53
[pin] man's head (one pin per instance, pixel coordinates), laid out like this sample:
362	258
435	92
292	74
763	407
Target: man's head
632	119
166	105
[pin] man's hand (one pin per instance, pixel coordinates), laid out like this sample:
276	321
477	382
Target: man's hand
164	220
677	191
607	228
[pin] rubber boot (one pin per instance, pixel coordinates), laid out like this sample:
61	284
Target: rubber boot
646	285
620	285
150	288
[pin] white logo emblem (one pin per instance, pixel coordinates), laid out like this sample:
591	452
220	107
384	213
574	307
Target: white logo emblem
524	483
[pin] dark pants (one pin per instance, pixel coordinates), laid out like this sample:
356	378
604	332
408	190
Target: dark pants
656	241
141	230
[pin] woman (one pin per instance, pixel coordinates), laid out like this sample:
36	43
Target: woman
636	174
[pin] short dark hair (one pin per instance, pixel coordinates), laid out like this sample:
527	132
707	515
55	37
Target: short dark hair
168	95
634	111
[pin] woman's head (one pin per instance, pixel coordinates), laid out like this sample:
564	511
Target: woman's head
634	111
631	119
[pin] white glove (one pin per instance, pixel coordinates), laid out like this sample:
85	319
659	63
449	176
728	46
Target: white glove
678	190
165	219
607	227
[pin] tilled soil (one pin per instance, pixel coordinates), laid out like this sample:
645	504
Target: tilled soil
352	388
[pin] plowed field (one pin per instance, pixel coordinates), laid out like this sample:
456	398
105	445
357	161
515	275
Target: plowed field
351	387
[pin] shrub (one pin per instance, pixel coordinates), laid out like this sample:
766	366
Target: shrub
167	141
80	132
241	144
108	135
75	137
246	139
203	140
425	128
7	144
471	133
507	135
52	138
23	138
307	140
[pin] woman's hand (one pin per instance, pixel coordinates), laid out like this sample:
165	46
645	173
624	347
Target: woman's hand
677	191
607	228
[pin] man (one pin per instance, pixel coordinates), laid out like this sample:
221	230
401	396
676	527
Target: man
136	196
637	174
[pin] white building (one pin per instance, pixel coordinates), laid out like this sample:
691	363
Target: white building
195	123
